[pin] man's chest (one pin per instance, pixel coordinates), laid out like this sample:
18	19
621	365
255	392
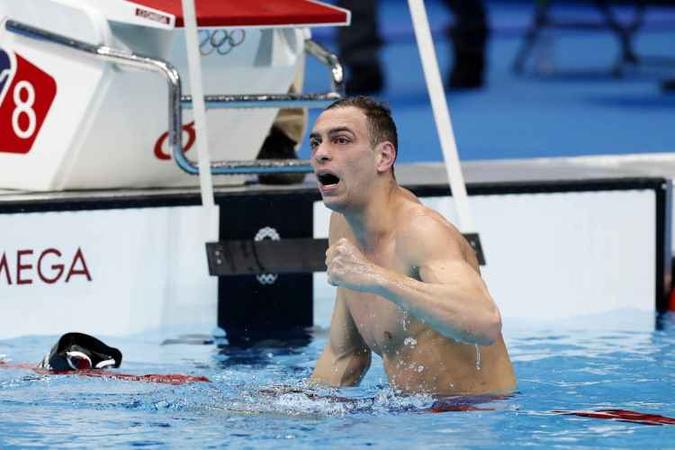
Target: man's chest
377	319
380	322
383	325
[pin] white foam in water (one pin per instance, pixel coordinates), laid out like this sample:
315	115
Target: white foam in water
325	401
387	400
410	341
300	404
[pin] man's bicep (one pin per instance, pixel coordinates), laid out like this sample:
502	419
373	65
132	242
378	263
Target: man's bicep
448	266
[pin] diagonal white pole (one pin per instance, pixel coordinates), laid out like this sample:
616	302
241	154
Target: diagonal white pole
441	113
198	106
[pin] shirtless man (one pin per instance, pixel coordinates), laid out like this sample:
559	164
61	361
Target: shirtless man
408	283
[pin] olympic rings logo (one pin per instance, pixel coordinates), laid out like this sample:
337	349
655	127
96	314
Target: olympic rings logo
273	234
220	41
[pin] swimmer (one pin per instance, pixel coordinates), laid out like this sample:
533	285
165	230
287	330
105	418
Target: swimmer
408	283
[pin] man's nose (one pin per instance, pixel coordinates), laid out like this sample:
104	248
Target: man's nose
322	153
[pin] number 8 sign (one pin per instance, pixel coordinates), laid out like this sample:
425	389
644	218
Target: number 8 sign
26	94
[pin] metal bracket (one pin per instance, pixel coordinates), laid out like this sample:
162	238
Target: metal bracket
302	255
249	257
474	241
177	100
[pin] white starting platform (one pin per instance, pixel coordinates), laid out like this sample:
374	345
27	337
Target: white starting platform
562	238
92	92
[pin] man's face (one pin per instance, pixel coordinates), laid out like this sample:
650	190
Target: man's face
342	157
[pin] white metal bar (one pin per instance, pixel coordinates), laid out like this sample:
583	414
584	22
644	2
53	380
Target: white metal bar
439	105
198	106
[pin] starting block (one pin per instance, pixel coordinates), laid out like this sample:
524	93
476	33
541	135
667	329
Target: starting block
80	106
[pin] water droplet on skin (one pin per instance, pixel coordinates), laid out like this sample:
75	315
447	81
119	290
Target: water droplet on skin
420	368
410	341
477	357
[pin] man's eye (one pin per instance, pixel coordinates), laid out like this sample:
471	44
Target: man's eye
341	140
313	144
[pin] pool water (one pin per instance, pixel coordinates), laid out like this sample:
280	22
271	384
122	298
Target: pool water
257	397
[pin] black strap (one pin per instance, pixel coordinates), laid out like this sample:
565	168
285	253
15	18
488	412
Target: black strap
249	257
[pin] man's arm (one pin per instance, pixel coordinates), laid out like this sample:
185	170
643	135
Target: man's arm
449	296
346	357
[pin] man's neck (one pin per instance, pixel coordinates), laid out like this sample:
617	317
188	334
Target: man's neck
375	218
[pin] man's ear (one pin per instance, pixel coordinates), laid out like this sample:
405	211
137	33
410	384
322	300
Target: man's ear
386	156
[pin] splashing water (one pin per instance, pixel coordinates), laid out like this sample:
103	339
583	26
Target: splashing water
410	341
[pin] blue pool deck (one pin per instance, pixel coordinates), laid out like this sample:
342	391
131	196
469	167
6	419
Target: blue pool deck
578	109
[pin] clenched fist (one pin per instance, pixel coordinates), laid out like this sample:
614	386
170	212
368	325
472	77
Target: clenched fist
348	268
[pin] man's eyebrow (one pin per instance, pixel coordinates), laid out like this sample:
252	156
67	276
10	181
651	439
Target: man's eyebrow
332	131
340	129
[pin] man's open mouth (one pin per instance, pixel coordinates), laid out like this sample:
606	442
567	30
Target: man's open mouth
327	179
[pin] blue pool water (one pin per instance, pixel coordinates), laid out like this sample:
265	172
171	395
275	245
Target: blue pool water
567	366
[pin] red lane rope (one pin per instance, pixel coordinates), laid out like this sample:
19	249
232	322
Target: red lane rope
161	378
623	415
445	405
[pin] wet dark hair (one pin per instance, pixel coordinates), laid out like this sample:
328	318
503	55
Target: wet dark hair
381	125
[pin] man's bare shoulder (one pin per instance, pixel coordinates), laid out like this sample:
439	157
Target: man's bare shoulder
424	234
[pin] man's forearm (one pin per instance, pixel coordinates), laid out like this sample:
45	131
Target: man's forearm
462	311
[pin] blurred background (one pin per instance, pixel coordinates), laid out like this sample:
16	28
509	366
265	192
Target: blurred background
574	94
